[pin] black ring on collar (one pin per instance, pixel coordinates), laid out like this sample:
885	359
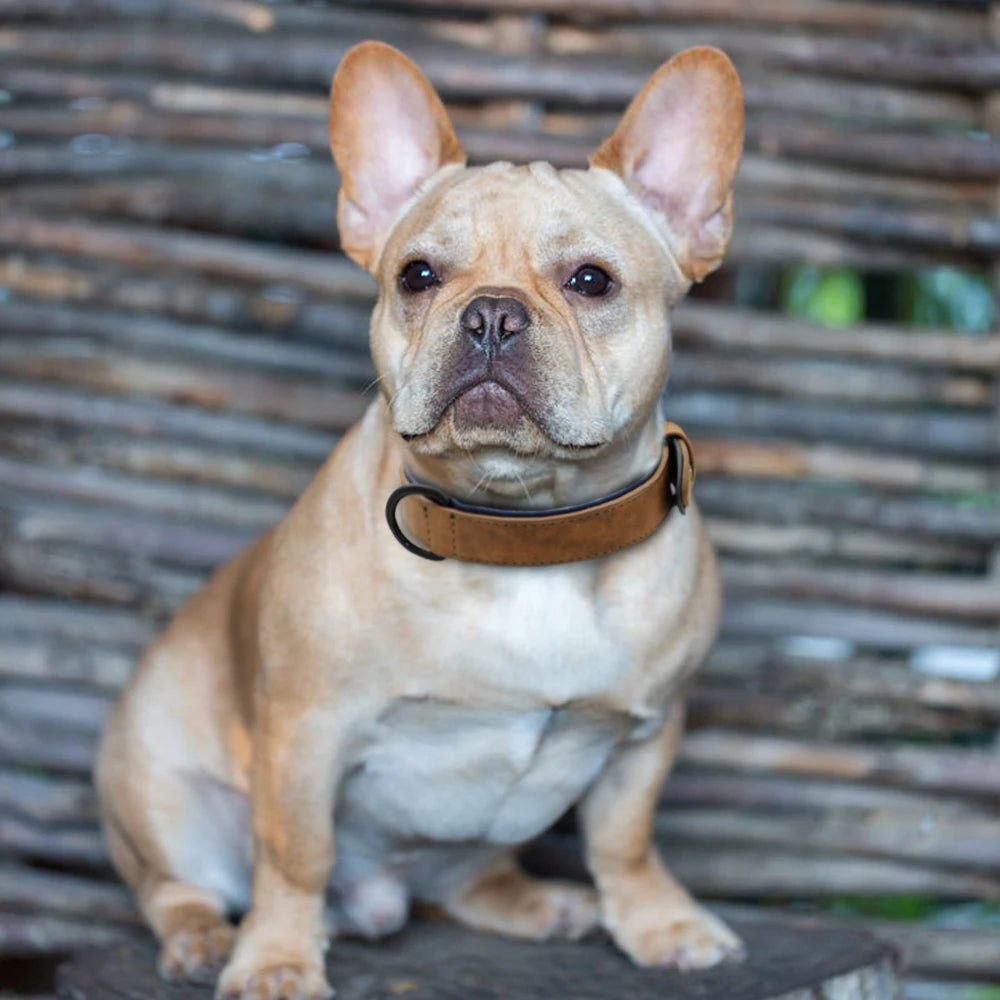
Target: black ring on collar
675	473
401	493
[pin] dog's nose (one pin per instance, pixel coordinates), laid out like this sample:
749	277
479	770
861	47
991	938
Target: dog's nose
490	320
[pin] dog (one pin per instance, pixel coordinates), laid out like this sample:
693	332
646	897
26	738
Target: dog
334	728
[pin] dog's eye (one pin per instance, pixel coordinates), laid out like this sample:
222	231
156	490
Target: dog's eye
418	276
590	280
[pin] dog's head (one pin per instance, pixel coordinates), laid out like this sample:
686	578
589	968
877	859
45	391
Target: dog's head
524	308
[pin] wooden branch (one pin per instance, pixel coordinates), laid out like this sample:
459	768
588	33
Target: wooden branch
865	18
954	435
229	511
744	538
921	61
80	848
69	571
762	668
213	255
187	296
900	226
801	503
243	13
22	616
947	770
142	535
961	843
761	617
709	787
788	460
26	935
804	714
69	408
717	871
304	402
168	460
959	598
67	895
783	245
577	72
79	664
713	326
47	800
827	379
157	336
58	752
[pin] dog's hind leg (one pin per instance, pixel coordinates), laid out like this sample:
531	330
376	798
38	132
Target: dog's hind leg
178	836
188	919
503	899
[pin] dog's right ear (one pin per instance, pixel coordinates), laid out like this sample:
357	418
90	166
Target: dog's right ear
389	132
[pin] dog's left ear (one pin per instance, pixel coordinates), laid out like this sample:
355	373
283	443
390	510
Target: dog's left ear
678	147
389	132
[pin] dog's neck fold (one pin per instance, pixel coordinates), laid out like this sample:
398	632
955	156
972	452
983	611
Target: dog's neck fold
502	480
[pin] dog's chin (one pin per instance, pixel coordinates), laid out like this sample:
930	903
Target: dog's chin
488	417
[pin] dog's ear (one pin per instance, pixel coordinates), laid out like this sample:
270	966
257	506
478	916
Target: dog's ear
678	147
389	132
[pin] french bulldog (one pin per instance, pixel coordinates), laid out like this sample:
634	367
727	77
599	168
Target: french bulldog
333	729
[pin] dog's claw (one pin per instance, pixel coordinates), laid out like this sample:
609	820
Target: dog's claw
195	954
275	982
691	940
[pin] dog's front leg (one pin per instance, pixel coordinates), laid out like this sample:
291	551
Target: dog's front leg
279	951
645	909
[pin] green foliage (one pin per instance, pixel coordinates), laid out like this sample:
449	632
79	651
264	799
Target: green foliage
949	298
942	297
886	907
833	297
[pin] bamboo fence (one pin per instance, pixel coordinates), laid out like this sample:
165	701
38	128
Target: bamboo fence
181	343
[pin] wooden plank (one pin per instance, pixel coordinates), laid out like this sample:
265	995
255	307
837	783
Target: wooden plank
445	963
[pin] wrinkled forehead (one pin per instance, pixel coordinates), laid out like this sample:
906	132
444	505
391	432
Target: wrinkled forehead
515	215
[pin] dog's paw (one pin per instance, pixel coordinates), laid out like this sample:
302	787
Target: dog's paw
513	904
196	953
689	939
561	911
280	981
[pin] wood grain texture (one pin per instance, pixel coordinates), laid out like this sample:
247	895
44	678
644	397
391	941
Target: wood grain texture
440	962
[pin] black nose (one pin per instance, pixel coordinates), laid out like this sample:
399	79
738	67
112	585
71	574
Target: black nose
490	320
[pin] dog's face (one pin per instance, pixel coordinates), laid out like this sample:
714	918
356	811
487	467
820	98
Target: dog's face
524	308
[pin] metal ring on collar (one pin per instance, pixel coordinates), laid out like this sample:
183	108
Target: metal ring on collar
401	493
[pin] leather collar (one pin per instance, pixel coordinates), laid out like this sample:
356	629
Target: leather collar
436	526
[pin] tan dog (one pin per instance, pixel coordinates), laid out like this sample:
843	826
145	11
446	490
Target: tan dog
392	729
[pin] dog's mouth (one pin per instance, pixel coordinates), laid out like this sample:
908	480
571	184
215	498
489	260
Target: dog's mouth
488	403
498	408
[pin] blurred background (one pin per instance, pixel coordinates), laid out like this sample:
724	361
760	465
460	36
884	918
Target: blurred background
181	343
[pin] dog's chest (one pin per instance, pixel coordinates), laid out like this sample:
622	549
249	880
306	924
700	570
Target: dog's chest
524	701
450	772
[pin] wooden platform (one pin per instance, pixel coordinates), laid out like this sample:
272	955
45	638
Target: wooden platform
791	961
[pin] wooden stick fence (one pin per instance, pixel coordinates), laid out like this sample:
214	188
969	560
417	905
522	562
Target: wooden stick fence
181	343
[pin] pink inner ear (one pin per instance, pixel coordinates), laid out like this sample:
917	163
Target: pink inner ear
675	170
389	132
400	148
678	147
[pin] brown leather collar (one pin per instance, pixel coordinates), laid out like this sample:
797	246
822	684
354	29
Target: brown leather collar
438	526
